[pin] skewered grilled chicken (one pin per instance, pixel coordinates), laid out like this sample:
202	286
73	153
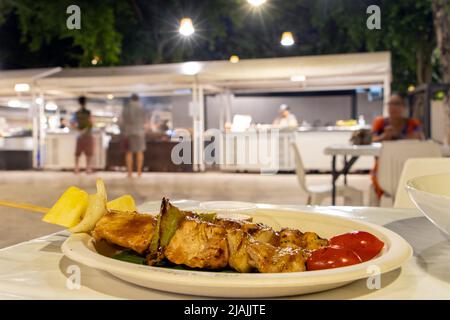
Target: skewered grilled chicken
126	229
262	233
238	242
240	235
198	244
294	238
312	241
207	242
270	259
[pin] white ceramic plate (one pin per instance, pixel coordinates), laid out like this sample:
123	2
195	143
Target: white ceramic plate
80	248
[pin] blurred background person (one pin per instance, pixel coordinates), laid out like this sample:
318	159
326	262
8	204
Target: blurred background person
395	126
285	118
82	122
132	126
62	123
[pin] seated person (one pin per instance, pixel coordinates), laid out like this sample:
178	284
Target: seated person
394	127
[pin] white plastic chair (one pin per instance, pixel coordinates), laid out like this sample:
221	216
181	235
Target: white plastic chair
318	193
393	155
418	167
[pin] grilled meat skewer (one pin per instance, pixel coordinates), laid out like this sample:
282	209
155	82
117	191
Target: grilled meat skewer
208	242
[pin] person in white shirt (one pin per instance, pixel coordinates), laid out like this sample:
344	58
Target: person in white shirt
285	119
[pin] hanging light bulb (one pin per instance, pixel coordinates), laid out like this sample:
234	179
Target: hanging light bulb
287	39
186	27
256	3
95	60
234	59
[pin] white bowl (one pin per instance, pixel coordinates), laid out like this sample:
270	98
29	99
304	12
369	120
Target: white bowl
431	194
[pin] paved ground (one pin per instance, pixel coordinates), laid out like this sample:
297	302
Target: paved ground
44	188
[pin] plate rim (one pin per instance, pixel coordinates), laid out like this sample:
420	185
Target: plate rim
79	248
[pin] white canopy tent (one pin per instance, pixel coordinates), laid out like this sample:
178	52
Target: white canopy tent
305	73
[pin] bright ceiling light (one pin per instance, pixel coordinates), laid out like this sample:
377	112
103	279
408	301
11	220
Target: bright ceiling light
234	59
110	96
22	87
287	39
191	68
256	3
298	78
14	103
95	60
186	27
39	100
51	106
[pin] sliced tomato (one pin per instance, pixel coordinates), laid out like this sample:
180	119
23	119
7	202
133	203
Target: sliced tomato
364	244
331	257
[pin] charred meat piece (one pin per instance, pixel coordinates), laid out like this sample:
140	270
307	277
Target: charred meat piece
294	238
269	259
229	224
238	242
291	238
312	241
257	231
262	233
126	229
198	244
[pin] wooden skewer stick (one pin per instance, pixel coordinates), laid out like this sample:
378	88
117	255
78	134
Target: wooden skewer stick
24	206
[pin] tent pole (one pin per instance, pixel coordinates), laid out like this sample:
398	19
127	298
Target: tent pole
201	126
198	114
194	127
37	113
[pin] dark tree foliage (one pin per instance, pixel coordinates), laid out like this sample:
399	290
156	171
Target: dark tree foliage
126	32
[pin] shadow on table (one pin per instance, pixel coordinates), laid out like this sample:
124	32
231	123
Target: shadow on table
431	246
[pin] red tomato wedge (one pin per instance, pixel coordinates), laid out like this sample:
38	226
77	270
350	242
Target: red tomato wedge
331	257
364	244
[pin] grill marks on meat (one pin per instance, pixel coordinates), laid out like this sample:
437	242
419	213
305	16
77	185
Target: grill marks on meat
270	259
198	244
312	241
296	239
126	229
238	242
262	233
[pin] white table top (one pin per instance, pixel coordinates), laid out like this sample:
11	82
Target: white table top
365	150
353	150
38	270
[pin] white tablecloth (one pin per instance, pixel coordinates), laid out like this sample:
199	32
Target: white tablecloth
365	150
353	150
38	270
